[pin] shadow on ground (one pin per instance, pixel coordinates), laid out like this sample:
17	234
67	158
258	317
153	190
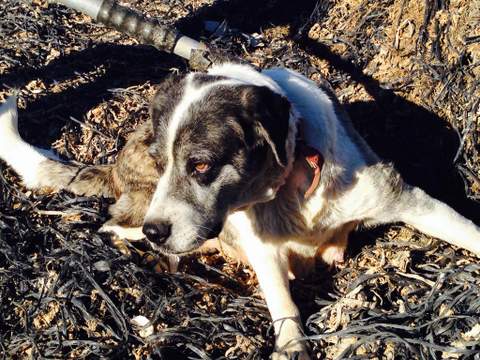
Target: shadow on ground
123	66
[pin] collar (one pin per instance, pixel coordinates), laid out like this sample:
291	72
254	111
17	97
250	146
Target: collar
311	156
314	160
305	165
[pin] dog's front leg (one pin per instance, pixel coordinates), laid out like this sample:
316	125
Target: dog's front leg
271	266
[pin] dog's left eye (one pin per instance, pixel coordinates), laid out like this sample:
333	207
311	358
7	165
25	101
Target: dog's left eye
201	167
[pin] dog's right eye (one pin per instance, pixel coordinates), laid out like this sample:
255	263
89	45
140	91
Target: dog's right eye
202	167
204	171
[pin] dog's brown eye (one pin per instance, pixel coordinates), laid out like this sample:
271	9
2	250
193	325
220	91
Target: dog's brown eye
202	167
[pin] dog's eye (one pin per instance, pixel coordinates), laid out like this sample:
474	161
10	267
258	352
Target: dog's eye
201	167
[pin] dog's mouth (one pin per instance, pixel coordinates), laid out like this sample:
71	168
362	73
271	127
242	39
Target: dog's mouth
167	249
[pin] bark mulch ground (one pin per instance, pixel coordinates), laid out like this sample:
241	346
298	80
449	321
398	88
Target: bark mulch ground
408	73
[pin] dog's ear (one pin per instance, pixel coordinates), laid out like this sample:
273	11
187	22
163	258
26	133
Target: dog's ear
268	113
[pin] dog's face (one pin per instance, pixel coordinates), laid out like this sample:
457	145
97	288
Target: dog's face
218	145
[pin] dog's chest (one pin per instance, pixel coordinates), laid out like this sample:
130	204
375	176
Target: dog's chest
318	212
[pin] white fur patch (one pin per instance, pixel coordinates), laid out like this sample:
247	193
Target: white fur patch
190	96
22	157
271	266
245	74
312	103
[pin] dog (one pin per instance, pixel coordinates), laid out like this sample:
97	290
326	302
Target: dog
266	161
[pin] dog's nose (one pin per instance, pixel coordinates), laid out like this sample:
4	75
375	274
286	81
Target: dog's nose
157	233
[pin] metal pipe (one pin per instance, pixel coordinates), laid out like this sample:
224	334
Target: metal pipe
88	7
146	30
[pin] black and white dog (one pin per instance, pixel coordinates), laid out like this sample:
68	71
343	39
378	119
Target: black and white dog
265	161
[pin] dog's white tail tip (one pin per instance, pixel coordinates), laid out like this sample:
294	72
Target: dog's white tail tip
9	118
22	157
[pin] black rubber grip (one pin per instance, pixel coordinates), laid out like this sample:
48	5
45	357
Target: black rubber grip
147	30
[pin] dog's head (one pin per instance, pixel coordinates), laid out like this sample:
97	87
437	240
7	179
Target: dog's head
219	145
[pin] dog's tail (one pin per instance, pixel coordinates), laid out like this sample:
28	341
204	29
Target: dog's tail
436	218
39	169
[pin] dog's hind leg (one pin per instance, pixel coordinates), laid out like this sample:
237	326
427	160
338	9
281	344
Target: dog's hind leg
395	201
332	252
437	219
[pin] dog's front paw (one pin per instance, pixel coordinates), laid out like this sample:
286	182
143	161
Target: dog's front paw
297	352
128	233
124	239
289	343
